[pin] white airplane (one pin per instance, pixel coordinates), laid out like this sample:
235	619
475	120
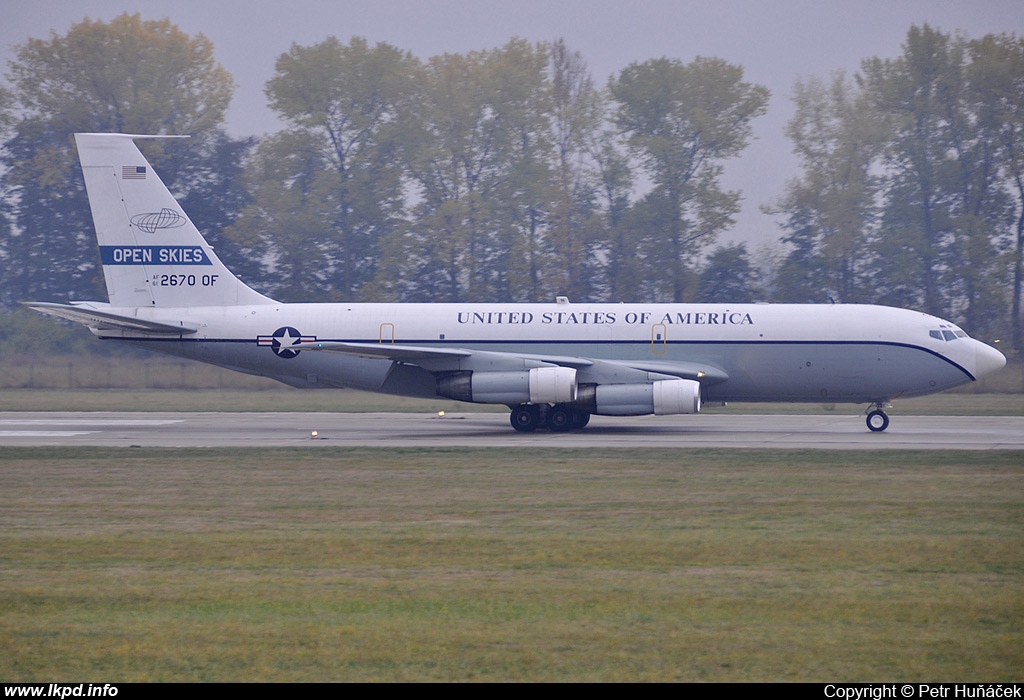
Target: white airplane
553	364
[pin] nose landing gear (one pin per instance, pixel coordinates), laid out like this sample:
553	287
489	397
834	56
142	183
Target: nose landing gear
877	419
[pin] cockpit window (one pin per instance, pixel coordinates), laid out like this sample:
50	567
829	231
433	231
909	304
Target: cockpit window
947	335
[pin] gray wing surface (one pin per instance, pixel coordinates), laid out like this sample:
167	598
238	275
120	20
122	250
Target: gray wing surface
449	359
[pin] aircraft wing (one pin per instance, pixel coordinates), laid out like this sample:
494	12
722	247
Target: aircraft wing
442	359
391	351
416	354
703	373
100	320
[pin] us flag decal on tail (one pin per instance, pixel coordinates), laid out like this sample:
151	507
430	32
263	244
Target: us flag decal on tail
133	172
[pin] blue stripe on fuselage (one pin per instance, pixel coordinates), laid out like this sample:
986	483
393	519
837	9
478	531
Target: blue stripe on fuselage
519	343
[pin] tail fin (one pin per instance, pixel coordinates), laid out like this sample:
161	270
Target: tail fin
152	253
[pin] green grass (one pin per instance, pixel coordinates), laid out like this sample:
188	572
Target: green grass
539	565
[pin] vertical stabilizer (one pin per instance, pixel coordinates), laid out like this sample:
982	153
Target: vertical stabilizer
152	253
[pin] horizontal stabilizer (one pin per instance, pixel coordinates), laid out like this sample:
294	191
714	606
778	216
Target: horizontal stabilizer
99	320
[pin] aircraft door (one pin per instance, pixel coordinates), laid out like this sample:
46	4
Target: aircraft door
659	338
387	333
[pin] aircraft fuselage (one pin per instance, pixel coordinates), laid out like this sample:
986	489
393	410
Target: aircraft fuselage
764	352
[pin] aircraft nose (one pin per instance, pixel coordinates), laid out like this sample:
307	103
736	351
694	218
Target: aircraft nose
987	359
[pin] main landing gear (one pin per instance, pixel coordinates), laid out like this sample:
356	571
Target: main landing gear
559	418
877	419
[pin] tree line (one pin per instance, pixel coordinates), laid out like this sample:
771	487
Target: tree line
510	175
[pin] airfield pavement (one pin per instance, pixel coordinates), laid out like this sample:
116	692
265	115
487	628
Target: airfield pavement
840	432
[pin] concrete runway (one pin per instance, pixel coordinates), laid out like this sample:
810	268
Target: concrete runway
841	432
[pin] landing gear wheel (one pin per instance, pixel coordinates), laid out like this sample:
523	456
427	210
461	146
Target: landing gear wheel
580	419
877	421
525	418
560	419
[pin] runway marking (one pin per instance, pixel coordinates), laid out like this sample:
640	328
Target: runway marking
73	423
105	422
45	433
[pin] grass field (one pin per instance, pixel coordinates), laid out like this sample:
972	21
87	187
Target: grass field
459	564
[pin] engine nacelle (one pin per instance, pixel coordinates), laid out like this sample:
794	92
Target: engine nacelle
663	398
538	385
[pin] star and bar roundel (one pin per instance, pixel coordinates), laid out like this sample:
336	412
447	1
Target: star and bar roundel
285	342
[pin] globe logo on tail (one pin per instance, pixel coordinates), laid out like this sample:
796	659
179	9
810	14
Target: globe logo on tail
154	220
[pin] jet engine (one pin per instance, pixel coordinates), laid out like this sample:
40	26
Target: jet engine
537	385
662	398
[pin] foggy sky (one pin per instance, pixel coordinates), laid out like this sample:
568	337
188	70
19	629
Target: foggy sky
776	42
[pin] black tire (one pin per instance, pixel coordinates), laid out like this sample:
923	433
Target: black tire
560	419
525	418
877	421
580	419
